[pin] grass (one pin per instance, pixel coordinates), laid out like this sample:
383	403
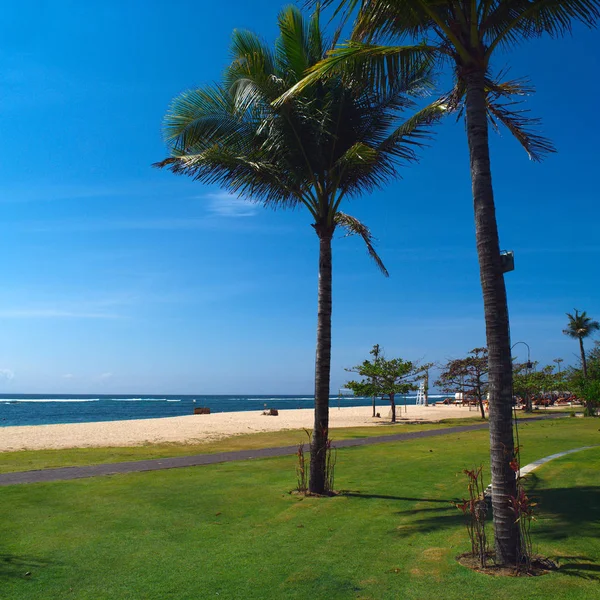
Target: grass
29	460
234	531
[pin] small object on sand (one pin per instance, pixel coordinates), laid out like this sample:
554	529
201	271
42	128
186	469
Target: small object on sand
271	412
202	410
378	416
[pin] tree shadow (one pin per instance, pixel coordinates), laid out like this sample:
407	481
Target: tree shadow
567	513
357	494
583	567
444	515
13	566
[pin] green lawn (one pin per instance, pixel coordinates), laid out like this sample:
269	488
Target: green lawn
46	459
232	530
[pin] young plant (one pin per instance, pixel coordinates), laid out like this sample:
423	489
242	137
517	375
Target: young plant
475	508
301	472
523	509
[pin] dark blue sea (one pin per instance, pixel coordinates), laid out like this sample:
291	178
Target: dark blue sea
46	409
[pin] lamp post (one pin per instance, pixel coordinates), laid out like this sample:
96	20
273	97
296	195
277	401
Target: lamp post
529	363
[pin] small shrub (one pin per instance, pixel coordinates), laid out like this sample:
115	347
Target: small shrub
330	467
522	506
301	472
475	509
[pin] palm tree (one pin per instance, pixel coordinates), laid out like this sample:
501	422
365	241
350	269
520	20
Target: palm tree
467	34
579	327
335	140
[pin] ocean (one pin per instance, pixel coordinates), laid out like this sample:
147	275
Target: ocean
46	409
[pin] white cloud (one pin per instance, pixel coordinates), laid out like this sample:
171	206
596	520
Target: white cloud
106	375
223	204
6	375
68	376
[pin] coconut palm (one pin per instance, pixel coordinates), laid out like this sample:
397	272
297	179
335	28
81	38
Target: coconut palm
466	35
338	139
579	327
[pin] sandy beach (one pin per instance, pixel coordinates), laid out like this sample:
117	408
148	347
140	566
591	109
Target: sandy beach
204	428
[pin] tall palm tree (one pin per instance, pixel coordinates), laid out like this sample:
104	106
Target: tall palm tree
466	35
579	327
338	139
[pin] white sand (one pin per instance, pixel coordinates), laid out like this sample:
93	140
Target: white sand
204	428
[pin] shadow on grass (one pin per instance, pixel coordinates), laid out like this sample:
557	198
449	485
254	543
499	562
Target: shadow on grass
564	513
351	494
584	570
423	519
567	512
20	567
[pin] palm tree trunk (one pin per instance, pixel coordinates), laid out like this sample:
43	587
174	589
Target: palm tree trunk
318	447
583	362
393	404
506	532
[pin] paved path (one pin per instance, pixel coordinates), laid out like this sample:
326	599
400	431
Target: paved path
538	463
67	473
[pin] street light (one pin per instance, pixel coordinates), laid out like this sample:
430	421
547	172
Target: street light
529	363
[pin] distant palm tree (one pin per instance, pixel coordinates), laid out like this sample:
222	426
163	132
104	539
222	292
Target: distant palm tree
579	327
467	34
337	139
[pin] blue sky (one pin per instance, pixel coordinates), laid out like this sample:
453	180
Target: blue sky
120	278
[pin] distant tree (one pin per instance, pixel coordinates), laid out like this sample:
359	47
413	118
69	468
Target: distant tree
529	381
581	326
587	387
383	377
469	374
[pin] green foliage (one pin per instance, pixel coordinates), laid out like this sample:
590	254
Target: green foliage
580	325
530	381
587	387
465	35
338	138
469	375
382	377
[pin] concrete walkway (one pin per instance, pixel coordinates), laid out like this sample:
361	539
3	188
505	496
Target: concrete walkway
68	473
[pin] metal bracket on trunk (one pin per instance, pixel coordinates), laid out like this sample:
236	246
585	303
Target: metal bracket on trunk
507	258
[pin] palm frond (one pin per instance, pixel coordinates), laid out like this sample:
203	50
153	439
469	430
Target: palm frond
201	116
292	44
403	68
414	131
252	177
509	23
517	121
396	19
250	52
353	226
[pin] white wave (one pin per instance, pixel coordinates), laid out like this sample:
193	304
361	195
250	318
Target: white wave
142	400
11	400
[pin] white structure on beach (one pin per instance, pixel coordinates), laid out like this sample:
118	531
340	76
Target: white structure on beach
421	394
